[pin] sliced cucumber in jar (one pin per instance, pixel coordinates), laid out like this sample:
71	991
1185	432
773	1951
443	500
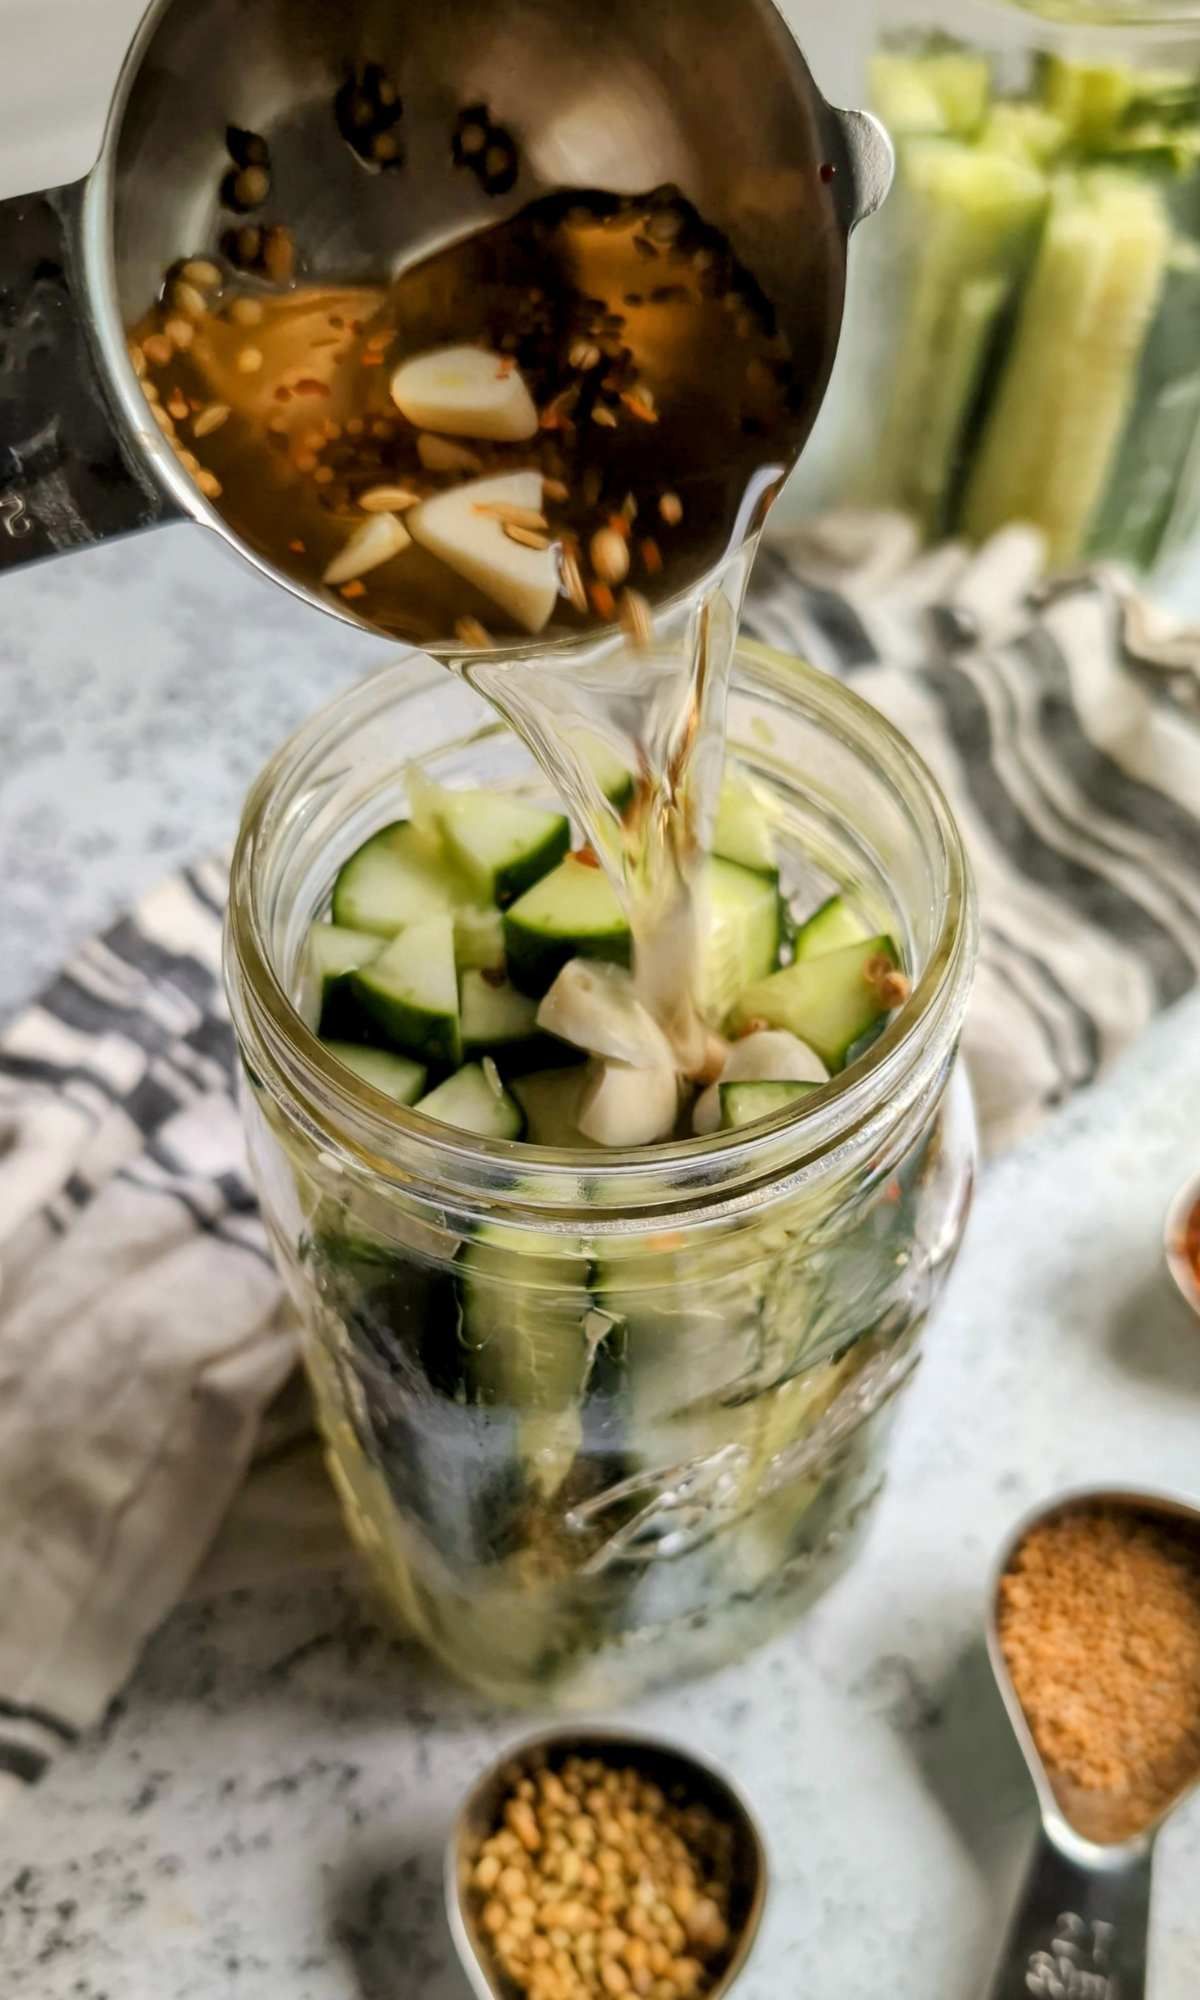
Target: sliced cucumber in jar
478	937
828	1002
397	1077
331	954
396	878
411	992
829	928
609	769
745	1103
743	831
743	934
571	913
502	845
526	1343
495	1017
475	1100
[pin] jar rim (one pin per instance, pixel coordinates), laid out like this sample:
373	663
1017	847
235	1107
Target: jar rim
394	1143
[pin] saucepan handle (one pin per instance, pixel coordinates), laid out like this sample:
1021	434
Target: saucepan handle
1077	1931
66	477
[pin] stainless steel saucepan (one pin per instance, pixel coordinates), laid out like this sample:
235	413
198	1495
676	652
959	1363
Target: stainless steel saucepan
712	95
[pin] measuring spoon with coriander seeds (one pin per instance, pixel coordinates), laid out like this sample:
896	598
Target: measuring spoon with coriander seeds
1081	1927
679	1777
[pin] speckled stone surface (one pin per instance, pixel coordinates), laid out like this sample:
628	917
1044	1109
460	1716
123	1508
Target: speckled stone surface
262	1815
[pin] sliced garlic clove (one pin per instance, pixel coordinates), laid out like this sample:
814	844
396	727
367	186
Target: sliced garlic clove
772	1055
465	392
439	454
706	1112
521	580
628	1107
375	541
594	1006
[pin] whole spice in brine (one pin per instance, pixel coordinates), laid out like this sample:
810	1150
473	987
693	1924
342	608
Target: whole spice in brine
1099	1621
596	1882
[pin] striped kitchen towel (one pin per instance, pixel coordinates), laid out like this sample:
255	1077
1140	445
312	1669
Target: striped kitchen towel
146	1351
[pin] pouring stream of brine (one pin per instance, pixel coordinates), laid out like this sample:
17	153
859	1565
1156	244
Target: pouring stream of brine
543	451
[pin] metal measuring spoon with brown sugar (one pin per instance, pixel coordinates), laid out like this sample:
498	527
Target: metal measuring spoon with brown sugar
1094	1636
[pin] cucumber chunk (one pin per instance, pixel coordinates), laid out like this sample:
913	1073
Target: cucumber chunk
829	1002
743	936
397	878
570	913
743	830
550	1099
743	1103
476	1102
398	1077
331	954
610	770
828	929
525	1312
411	992
494	1016
478	938
502	845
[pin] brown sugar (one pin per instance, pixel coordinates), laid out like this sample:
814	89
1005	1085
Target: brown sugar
1099	1620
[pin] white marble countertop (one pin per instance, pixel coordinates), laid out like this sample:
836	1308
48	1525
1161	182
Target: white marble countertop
261	1816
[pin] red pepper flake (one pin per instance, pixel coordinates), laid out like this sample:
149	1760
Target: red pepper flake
355	588
619	523
297	547
604	604
652	556
586	856
637	408
371	358
893	1192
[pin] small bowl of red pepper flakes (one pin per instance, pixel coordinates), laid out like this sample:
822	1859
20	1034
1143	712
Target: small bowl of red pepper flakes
1181	1239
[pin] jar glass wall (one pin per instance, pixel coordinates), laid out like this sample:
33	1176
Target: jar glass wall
1023	332
599	1419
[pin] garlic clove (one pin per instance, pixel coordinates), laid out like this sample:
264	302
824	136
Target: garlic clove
523	581
772	1055
621	1106
374	542
465	392
595	1007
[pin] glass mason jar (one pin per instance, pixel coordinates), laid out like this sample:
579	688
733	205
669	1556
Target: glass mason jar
1023	328
601	1418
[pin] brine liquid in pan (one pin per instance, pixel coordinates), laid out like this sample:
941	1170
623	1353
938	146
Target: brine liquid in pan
543	450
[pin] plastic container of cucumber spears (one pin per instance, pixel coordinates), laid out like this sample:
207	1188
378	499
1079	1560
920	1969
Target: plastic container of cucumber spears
1023	337
601	1419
